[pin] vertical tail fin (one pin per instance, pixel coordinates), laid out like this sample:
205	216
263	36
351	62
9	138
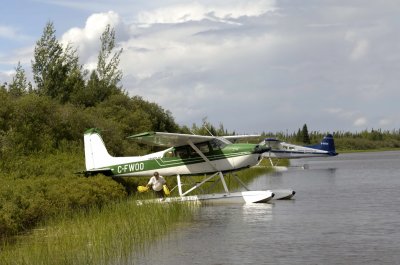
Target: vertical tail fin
327	144
96	154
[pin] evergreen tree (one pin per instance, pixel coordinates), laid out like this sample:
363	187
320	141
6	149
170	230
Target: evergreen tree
88	96
299	136
107	64
18	86
306	137
6	112
221	131
104	80
56	71
107	74
3	87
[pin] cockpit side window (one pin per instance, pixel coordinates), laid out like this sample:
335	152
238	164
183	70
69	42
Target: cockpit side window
169	153
203	147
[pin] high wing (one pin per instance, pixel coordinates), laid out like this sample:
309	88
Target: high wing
170	139
234	138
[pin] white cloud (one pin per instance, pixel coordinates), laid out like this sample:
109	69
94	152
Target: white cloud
334	110
361	122
213	11
87	39
385	122
274	59
6	76
23	55
182	51
360	50
7	32
343	113
360	46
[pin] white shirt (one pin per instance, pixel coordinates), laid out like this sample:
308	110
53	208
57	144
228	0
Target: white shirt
157	185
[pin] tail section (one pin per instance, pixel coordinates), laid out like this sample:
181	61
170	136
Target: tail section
96	154
327	144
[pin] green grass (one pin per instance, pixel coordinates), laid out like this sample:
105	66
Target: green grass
98	236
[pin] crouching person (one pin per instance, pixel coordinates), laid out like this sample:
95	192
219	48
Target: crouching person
157	182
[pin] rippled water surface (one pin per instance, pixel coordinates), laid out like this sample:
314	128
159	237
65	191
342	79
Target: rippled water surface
346	211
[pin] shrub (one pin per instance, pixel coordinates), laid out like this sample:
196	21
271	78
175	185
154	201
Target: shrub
24	203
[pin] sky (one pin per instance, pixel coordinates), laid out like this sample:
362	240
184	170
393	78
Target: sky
253	66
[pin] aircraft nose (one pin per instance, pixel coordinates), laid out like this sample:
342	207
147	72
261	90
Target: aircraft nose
259	149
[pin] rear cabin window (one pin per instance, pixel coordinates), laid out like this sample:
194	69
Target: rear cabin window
186	151
203	147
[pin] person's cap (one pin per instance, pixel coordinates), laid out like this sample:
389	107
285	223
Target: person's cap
156	173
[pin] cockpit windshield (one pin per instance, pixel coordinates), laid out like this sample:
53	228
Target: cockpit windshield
218	143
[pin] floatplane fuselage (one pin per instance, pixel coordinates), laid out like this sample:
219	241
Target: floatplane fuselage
189	155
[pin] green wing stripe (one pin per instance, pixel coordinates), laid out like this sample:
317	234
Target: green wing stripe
141	135
155	164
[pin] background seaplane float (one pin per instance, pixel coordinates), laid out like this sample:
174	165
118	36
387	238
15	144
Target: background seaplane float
186	155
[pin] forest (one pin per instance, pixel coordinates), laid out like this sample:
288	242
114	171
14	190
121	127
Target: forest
42	124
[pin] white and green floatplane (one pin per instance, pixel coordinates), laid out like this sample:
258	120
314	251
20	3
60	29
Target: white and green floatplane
186	155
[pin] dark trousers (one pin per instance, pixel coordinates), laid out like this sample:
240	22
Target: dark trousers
159	194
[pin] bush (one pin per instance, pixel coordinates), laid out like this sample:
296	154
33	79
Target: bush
24	203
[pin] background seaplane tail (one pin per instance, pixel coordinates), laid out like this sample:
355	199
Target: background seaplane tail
327	144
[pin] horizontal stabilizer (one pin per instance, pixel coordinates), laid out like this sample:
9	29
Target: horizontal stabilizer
89	173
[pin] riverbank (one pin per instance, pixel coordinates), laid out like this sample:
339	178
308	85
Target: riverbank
107	234
98	236
344	151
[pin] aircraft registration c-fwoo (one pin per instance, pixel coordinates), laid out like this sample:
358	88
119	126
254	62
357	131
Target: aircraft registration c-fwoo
187	155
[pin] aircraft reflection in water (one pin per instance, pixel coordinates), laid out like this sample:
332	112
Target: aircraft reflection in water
186	155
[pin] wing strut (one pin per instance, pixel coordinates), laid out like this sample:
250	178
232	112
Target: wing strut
241	182
206	179
272	163
198	185
178	178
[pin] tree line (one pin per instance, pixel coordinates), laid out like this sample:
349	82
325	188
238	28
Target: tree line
346	141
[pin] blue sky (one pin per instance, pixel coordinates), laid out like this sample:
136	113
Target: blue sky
254	66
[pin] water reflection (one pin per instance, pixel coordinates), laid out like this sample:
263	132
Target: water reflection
257	212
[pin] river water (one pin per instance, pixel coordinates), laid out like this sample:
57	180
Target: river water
346	211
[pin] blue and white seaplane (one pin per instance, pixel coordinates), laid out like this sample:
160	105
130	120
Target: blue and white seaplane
186	155
279	149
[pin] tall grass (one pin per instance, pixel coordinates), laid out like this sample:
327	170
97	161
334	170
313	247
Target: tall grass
108	235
